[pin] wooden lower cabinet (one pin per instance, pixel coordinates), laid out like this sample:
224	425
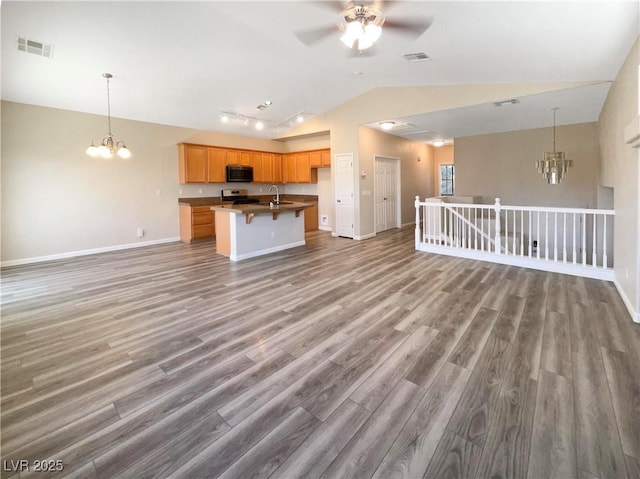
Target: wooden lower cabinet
311	216
196	222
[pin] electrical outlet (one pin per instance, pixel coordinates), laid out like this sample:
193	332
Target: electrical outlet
140	232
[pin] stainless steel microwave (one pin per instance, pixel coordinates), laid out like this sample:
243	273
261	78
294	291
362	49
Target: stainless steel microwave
239	174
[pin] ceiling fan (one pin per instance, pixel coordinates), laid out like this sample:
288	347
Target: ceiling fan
361	25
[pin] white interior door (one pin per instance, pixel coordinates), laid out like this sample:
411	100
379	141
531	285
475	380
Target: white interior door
344	195
386	193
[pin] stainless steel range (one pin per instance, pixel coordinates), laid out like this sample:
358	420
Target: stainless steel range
237	197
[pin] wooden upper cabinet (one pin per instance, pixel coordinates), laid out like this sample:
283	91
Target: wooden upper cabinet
192	163
267	167
315	158
289	168
233	157
277	168
303	168
326	157
206	164
216	164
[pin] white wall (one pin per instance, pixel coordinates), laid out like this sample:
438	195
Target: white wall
620	170
57	201
503	165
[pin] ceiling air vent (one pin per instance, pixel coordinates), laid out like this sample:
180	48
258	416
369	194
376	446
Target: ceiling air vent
32	46
417	57
511	101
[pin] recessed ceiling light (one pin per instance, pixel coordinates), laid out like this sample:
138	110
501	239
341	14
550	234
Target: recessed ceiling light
387	125
224	118
300	119
357	73
259	125
438	143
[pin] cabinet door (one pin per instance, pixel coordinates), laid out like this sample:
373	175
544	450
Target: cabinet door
255	161
315	158
233	157
245	158
311	216
303	168
277	168
216	162
267	167
289	166
326	157
193	164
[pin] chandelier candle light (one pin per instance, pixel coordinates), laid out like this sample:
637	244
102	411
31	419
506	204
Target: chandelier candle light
554	166
109	143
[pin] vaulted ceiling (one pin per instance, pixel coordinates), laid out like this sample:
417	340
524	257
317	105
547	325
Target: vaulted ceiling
183	63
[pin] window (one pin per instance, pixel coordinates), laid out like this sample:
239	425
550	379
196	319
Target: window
447	180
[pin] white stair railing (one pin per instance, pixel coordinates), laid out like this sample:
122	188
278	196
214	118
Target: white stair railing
570	240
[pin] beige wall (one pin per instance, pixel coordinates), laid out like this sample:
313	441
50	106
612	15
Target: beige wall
621	171
503	165
415	176
57	200
442	155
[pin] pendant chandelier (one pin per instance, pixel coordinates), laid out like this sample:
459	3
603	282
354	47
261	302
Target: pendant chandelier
554	166
109	144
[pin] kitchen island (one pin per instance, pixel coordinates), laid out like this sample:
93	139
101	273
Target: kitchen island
246	231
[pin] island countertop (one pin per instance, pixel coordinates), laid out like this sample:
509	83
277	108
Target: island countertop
257	208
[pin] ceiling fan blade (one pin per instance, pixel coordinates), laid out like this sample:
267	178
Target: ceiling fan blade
411	28
314	35
336	6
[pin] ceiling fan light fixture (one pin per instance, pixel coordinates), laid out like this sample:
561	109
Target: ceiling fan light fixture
372	32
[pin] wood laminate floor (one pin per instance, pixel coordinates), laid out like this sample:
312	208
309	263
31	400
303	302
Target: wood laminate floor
339	359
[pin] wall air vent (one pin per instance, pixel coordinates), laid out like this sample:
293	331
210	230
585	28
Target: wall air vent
35	47
417	57
511	101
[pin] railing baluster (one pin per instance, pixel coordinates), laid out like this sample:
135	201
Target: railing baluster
564	237
555	236
497	227
529	232
506	231
593	255
546	235
604	242
584	239
522	233
514	252
573	234
538	235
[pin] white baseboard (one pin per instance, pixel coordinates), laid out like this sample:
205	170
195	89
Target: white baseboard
364	237
275	249
324	228
85	252
635	315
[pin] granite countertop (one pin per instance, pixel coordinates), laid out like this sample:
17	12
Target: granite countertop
215	200
257	208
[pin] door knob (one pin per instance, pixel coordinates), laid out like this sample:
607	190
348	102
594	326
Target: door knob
338	201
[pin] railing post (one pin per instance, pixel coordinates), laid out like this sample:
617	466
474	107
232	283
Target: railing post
417	235
496	208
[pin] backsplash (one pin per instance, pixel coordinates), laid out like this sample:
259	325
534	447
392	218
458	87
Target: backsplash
207	190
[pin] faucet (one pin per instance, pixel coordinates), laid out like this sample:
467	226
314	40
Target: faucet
277	197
